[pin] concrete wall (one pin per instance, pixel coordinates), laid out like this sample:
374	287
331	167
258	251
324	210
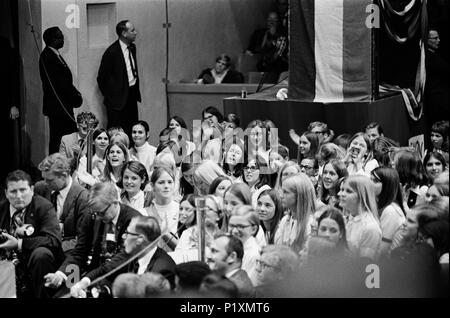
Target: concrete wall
200	30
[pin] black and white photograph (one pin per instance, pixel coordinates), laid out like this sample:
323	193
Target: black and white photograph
224	156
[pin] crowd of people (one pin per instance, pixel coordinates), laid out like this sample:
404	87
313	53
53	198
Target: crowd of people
132	217
222	209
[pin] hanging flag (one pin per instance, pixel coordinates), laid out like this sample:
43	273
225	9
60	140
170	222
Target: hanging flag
330	51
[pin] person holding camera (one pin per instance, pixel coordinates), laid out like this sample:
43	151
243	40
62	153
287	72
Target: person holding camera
142	233
31	232
101	234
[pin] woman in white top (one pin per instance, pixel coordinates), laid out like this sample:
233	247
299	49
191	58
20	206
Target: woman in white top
189	237
100	143
390	204
182	136
357	198
163	207
359	157
300	199
212	132
142	151
134	180
244	224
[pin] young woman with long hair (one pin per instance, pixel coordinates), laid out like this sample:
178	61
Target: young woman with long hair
390	204
299	198
357	199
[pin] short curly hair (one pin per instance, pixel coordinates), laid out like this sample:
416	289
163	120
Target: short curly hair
57	164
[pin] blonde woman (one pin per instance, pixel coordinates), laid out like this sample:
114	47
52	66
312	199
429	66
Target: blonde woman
299	198
357	198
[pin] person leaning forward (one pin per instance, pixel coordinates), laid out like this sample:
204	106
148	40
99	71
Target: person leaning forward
100	237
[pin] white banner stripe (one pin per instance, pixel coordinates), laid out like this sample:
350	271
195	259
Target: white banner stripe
328	46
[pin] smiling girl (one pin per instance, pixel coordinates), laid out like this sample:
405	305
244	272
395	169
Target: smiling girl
142	151
101	142
134	180
116	157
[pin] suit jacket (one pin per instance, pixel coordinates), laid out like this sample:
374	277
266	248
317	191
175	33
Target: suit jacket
112	77
61	78
160	262
75	208
90	239
42	216
69	146
243	283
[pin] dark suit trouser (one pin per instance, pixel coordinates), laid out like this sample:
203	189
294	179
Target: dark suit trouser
59	126
127	116
41	262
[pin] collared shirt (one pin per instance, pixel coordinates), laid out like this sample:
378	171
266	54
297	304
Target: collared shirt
58	55
136	202
12	210
126	56
251	254
218	78
61	198
145	260
363	235
231	273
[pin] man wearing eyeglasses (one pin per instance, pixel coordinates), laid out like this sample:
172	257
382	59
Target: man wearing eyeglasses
101	235
140	238
225	257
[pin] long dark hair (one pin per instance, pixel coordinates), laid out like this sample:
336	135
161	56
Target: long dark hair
410	168
341	170
313	148
191	199
391	190
275	197
336	215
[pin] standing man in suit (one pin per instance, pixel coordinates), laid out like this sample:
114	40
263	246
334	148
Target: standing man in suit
101	234
141	232
69	198
118	78
60	96
33	231
226	256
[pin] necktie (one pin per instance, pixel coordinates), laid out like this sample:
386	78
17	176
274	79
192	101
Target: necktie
135	266
16	221
54	199
133	68
62	60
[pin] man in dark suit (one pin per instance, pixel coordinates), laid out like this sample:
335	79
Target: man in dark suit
118	79
100	236
60	96
69	198
142	232
226	258
33	232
